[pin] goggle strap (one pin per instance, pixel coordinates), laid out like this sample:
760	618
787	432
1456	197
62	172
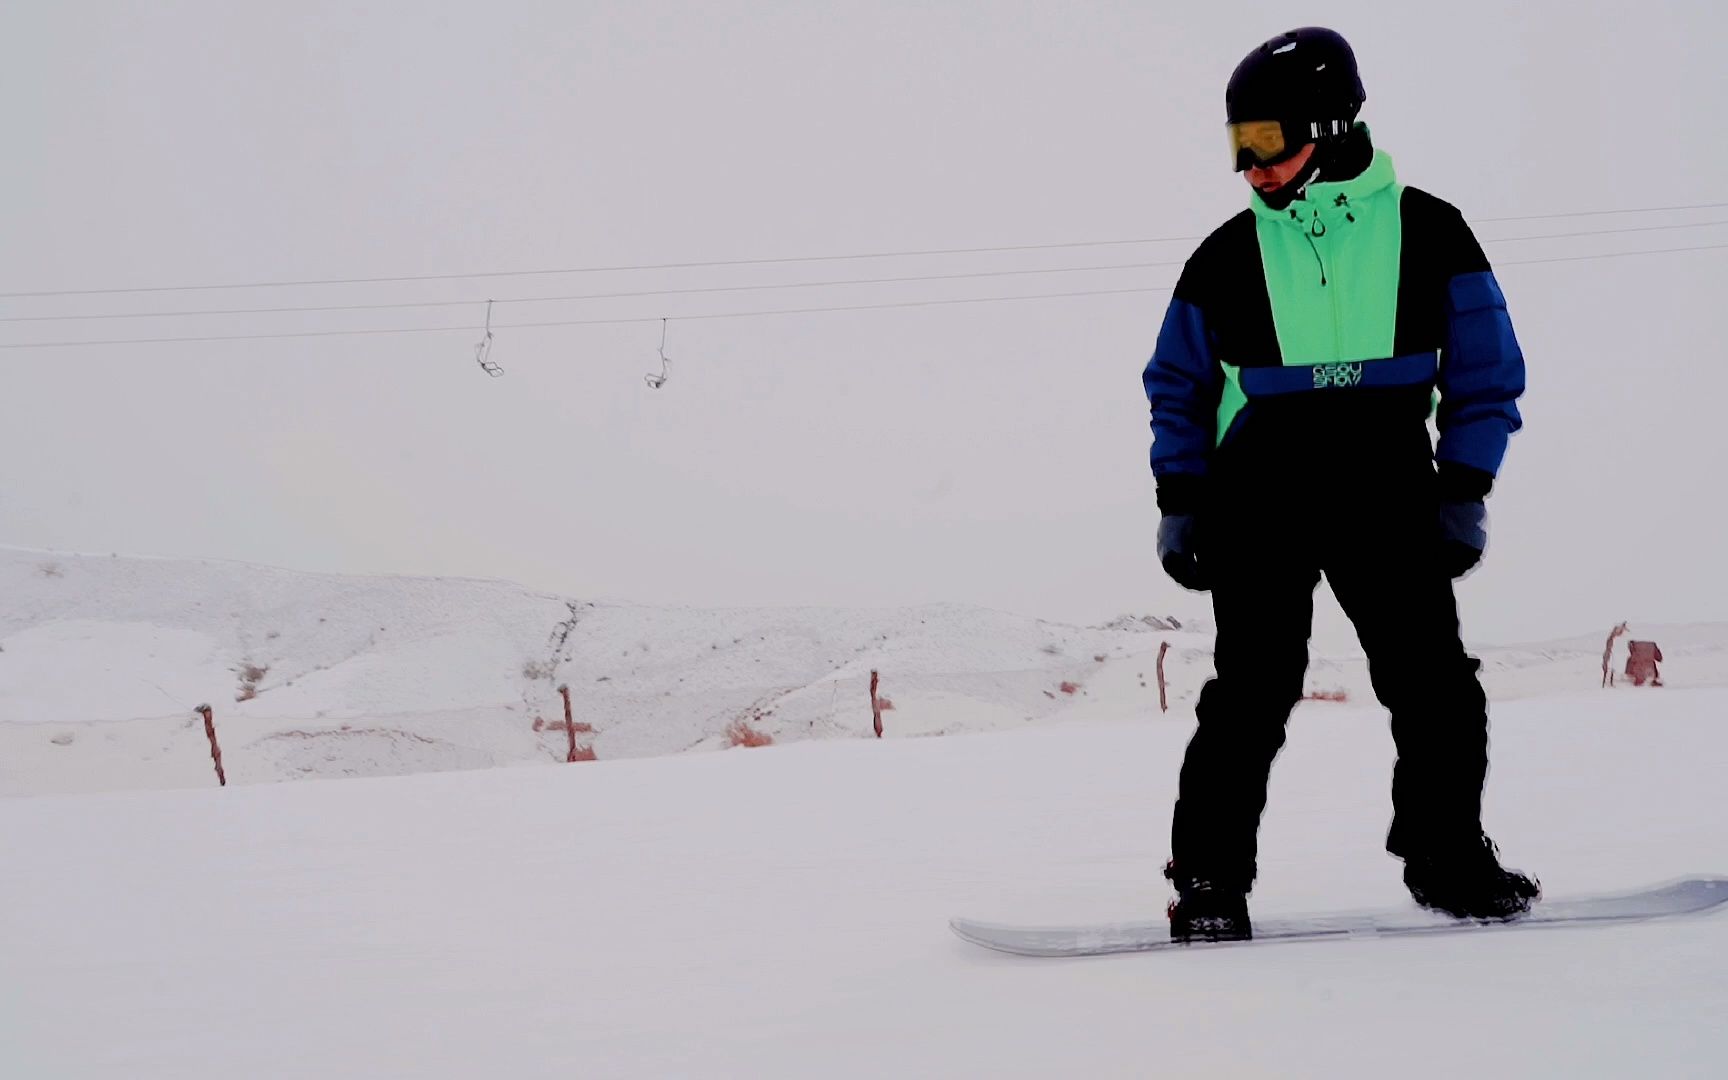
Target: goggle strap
1321	129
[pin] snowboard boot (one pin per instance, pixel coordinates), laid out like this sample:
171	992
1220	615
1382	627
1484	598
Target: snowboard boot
1207	910
1470	883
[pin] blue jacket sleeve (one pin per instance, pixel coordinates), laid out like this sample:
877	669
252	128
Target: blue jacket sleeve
1481	375
1183	382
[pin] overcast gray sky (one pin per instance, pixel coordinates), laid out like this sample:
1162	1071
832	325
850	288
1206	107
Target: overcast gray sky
991	454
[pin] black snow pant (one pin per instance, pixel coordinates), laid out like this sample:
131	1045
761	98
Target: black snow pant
1377	543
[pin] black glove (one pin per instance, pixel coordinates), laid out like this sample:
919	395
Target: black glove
1464	536
1176	552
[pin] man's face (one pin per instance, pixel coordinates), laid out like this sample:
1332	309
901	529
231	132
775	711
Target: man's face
1269	178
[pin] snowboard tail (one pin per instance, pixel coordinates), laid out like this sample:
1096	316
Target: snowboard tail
1689	897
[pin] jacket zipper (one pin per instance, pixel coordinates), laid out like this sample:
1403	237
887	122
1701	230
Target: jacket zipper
1318	261
1317	228
1314	230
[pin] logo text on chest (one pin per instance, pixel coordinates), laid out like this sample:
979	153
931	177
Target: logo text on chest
1330	375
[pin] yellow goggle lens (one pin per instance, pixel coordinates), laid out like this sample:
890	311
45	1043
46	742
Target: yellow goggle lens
1262	138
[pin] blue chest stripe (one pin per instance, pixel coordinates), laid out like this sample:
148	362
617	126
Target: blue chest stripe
1415	369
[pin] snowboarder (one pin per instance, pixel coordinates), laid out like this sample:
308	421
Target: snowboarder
1293	378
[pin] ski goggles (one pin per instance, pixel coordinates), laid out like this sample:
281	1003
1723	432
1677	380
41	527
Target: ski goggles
1267	142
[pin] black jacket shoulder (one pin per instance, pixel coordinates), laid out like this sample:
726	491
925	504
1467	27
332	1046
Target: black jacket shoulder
1437	246
1224	279
1435	232
1231	252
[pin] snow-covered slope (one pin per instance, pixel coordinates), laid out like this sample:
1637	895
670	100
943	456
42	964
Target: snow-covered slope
105	657
780	913
102	660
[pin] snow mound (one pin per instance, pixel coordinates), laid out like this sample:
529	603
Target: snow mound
103	659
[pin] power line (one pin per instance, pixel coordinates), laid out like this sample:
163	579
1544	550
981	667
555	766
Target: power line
779	260
1605	232
595	269
637	294
1605	213
873	307
583	322
1612	255
751	314
593	296
253	337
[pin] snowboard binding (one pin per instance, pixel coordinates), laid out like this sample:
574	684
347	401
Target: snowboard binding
1206	910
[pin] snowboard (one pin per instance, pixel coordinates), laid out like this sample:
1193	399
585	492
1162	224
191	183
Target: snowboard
1690	897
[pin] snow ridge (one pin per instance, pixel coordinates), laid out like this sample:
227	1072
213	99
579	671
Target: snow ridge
103	658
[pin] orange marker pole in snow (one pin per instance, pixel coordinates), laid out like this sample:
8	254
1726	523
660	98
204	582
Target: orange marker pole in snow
215	750
1163	700
569	722
1608	655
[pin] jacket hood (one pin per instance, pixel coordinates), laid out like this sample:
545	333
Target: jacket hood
1333	201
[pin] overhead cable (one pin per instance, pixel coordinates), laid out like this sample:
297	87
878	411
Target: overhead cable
777	260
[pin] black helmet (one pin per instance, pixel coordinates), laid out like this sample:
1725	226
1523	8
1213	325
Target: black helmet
1305	80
